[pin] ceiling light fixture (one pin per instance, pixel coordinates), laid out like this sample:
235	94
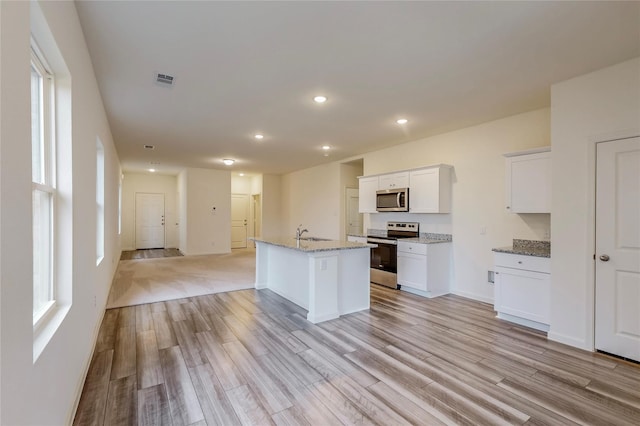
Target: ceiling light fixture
259	136
241	174
326	147
228	161
320	99
152	170
402	121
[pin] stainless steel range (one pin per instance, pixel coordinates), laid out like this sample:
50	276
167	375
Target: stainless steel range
384	266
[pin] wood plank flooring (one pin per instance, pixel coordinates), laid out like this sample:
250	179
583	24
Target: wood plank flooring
150	253
250	357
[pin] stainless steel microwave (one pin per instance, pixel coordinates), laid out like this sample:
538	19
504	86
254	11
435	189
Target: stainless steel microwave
392	200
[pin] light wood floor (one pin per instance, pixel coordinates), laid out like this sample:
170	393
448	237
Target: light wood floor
250	357
150	254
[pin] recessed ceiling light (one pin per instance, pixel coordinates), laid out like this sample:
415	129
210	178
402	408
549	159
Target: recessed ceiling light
402	121
241	174
320	99
326	147
228	161
152	170
149	147
258	136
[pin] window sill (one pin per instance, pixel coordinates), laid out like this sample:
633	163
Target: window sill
46	327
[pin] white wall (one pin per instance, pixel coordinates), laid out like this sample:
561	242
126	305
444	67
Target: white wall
478	192
181	182
46	391
241	184
599	106
312	197
134	183
271	206
207	231
348	179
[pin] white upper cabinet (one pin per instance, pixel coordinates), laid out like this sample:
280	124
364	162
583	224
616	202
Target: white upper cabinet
430	190
394	181
368	185
528	181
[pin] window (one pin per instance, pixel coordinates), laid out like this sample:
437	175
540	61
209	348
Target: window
43	186
99	201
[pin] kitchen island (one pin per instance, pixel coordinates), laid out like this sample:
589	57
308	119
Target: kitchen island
327	278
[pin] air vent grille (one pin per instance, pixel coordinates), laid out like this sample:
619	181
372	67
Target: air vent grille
164	79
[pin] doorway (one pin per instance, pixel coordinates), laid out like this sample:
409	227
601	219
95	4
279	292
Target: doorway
149	221
617	268
239	220
353	217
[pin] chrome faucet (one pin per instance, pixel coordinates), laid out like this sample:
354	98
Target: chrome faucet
300	232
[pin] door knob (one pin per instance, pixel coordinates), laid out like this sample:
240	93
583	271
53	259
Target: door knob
604	258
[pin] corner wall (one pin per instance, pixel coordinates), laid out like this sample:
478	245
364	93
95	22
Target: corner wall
45	392
207	231
599	106
311	197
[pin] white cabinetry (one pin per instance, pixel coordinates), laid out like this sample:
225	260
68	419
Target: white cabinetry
523	289
394	180
355	239
430	190
368	185
423	269
528	181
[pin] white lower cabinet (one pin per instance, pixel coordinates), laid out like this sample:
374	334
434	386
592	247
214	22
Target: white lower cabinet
523	289
423	269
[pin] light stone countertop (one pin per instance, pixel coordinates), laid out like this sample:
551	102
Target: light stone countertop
527	248
425	240
312	246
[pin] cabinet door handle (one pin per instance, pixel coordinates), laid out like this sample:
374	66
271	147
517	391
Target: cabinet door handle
508	207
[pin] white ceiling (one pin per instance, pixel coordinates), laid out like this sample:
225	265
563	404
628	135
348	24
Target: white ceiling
247	67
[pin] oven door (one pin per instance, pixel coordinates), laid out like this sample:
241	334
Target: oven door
384	257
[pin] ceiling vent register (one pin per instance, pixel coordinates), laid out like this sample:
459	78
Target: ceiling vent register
164	79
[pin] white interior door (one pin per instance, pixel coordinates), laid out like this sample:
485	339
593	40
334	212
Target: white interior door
149	221
239	218
618	248
354	217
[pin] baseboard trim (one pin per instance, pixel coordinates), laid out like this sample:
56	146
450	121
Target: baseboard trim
568	340
484	299
80	386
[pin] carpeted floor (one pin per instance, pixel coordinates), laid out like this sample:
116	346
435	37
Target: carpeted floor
141	281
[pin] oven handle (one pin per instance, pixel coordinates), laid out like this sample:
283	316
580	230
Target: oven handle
382	241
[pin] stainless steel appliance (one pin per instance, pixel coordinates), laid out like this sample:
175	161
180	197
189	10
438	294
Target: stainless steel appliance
384	262
392	200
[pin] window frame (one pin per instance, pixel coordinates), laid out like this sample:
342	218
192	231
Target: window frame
47	183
